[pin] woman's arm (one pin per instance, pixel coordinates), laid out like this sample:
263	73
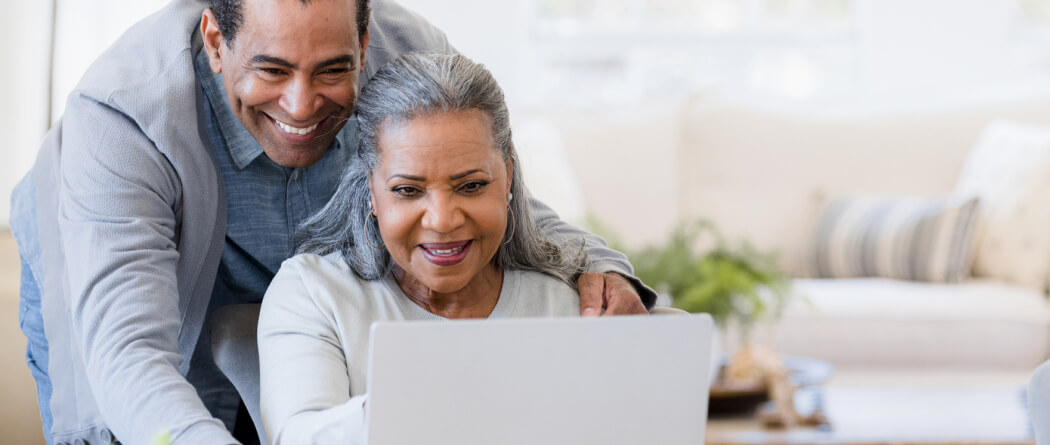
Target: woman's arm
305	388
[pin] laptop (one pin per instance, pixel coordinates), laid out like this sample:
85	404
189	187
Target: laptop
610	381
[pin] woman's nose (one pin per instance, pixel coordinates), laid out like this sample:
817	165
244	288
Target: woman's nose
301	100
442	215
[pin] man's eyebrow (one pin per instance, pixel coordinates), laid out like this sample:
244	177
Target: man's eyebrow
345	59
264	59
464	174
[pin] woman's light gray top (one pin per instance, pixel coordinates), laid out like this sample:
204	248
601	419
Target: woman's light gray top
314	336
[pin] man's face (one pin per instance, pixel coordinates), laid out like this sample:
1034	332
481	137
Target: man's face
292	73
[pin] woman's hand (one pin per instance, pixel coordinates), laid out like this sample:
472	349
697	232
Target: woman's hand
608	294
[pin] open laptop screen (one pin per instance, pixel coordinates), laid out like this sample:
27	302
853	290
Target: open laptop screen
616	380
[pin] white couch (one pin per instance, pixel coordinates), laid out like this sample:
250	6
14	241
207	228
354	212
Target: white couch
760	172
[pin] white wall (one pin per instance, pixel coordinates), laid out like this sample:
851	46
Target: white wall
23	85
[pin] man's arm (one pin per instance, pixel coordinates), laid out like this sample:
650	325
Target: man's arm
117	218
609	285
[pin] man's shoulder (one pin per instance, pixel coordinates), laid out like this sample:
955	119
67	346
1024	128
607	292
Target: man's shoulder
395	30
151	61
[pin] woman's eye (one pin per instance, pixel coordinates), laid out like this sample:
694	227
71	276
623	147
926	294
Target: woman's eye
473	187
406	191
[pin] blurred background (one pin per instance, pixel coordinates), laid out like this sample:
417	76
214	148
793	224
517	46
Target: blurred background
634	116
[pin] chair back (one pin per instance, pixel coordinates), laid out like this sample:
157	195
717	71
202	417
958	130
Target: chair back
235	349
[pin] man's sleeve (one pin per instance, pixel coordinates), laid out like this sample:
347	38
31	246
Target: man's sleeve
395	30
600	258
117	217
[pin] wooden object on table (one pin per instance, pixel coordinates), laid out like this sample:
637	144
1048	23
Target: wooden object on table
758	367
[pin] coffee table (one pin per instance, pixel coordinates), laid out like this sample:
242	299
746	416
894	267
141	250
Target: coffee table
919	409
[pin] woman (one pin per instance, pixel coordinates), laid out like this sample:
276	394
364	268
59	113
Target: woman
431	225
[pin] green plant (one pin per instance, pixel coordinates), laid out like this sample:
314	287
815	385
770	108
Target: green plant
735	283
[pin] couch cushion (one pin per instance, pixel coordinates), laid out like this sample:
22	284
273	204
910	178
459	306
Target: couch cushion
882	322
907	238
1009	168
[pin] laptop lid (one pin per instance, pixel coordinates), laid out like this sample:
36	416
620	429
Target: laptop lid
609	381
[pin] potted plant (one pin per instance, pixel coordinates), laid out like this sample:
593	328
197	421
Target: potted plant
703	272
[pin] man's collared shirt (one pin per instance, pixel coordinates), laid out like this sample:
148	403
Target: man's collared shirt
265	202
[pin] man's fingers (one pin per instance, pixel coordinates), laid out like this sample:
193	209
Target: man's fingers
621	298
592	293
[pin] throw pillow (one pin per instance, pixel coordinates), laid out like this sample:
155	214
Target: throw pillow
1009	169
912	238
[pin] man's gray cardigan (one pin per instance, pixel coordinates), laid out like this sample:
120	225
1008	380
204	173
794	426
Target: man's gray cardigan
131	182
130	209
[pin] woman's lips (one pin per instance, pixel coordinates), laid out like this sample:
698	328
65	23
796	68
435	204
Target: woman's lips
445	254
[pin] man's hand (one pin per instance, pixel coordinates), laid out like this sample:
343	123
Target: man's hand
608	293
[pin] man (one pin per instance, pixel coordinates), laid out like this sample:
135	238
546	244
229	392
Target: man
188	154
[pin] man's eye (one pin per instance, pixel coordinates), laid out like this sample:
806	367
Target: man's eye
272	71
406	191
335	71
473	187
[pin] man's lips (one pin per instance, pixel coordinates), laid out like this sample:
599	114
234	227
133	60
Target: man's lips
298	134
296	130
446	254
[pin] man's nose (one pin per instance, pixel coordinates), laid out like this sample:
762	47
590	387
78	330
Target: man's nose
301	99
443	214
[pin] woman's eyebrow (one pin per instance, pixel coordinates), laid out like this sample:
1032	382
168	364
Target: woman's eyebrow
465	174
408	177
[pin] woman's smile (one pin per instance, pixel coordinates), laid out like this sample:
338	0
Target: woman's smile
446	254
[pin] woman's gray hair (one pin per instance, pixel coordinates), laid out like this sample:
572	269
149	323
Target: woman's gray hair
419	85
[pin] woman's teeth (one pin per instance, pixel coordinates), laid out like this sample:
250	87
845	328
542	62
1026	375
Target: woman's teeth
295	130
445	252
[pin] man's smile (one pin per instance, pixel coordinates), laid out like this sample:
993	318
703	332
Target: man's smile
296	130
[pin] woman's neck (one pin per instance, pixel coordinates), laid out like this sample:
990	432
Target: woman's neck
475	300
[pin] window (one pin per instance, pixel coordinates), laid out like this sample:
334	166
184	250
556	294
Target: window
619	51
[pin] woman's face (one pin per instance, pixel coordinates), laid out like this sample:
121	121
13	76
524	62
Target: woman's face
440	196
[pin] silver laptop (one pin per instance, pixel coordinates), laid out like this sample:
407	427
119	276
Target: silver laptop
609	381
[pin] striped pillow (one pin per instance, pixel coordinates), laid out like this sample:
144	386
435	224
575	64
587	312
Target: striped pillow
919	239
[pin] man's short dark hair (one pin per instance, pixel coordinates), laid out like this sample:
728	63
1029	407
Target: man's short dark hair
229	15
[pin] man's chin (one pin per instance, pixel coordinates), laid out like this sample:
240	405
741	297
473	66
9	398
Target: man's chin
296	156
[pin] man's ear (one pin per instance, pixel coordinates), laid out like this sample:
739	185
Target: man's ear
364	51
214	43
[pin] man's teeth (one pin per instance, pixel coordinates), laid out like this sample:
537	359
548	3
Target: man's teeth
445	252
294	130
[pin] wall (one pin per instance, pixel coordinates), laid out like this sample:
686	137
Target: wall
23	82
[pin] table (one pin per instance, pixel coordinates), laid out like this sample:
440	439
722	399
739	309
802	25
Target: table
920	414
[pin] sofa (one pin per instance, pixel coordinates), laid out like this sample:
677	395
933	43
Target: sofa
764	172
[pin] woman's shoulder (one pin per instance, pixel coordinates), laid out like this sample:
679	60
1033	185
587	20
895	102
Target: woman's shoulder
544	295
319	277
316	264
538	280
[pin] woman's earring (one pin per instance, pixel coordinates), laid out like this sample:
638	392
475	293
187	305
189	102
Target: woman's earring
510	196
368	238
510	219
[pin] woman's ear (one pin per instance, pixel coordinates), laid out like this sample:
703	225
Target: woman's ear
510	174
